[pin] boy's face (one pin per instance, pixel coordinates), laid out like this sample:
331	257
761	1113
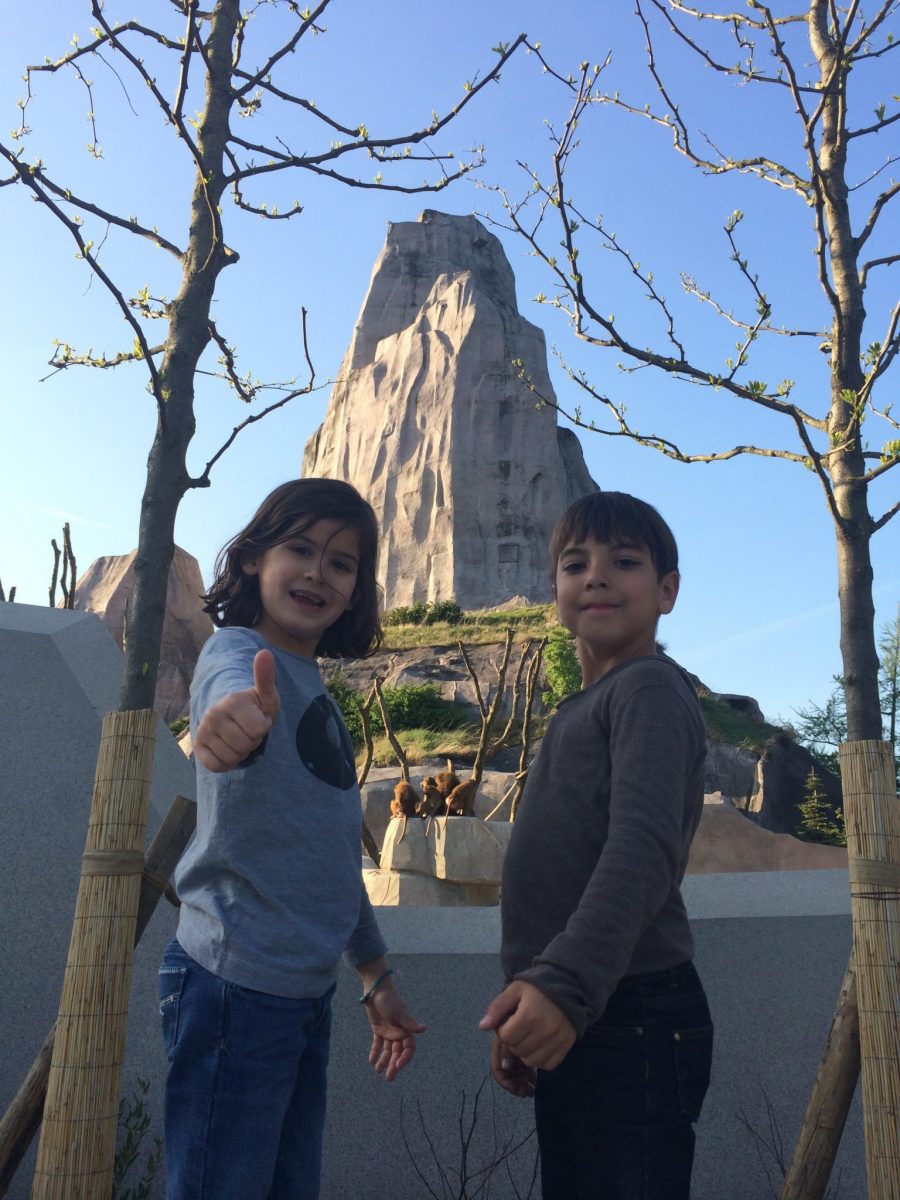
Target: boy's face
608	595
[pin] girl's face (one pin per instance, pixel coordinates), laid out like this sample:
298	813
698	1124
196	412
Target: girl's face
306	583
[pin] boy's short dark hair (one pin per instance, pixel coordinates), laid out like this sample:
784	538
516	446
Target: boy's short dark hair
615	517
234	599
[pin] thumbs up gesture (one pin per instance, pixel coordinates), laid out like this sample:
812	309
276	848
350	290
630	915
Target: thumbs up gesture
233	728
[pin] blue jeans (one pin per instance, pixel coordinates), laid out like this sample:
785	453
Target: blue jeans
615	1119
245	1094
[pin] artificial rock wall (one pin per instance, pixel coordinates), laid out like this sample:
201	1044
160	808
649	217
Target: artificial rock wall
430	420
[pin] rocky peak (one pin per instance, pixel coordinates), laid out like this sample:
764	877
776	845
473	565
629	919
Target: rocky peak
430	420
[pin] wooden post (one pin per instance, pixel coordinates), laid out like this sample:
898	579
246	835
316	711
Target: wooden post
22	1119
872	817
78	1136
810	1168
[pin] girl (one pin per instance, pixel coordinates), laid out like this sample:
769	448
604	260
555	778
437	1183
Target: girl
270	888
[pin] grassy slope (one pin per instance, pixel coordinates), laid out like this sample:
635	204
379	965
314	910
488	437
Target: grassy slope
723	723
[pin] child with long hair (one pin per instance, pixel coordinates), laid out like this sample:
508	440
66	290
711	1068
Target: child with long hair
270	888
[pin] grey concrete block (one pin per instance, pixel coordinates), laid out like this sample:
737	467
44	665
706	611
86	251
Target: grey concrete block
59	675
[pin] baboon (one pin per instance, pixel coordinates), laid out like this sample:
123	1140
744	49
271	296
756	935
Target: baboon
446	781
433	799
406	800
461	801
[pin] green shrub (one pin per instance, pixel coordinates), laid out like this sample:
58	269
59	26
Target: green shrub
411	706
349	702
133	1125
443	610
424	614
562	671
179	725
418	706
405	614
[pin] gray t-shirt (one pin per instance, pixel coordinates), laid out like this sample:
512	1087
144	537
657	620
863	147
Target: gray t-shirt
271	890
591	879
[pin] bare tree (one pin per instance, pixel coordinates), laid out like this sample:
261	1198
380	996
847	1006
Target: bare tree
69	570
810	62
215	62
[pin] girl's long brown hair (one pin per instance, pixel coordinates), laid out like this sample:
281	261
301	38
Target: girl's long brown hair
234	599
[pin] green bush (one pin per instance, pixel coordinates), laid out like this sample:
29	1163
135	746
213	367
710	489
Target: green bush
412	706
443	610
424	614
349	702
418	706
405	614
562	671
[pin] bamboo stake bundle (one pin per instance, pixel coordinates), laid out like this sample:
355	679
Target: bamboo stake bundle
872	816
78	1136
22	1119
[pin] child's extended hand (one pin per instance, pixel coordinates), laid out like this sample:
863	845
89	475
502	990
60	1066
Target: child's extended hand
393	1031
530	1027
234	727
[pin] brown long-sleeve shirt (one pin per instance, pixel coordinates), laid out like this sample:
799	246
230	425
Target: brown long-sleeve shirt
591	880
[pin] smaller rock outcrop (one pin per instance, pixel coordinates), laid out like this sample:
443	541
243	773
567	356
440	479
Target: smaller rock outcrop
105	588
731	770
780	786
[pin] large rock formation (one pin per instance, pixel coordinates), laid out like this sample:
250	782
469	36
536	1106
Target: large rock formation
105	589
430	420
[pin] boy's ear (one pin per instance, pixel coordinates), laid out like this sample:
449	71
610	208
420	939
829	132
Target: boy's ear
668	592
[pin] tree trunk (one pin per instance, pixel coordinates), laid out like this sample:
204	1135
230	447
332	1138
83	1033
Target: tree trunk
188	337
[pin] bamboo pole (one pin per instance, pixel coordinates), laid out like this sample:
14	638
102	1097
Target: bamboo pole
872	817
810	1168
78	1135
22	1119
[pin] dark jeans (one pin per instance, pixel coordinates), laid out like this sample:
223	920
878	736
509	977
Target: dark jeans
615	1119
245	1095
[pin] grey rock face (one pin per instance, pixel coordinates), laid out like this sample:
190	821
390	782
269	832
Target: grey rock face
105	589
430	420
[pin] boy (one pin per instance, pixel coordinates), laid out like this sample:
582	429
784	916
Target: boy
605	1020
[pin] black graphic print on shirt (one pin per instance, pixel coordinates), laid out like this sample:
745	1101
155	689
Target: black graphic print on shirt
324	745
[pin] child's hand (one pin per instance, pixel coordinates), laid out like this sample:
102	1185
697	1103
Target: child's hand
234	727
530	1026
509	1071
393	1031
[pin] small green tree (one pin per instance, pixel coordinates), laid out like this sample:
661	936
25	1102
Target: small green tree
822	727
821	822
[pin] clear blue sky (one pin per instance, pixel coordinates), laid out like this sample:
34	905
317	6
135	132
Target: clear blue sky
758	607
